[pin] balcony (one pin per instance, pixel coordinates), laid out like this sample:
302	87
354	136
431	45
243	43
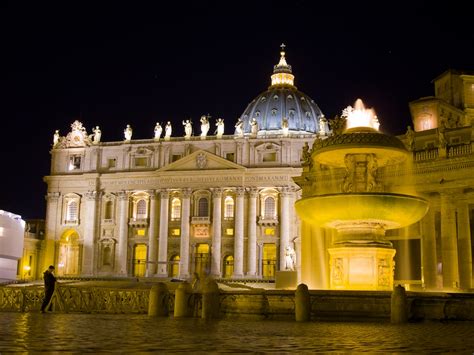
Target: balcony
138	222
108	221
71	222
267	221
201	220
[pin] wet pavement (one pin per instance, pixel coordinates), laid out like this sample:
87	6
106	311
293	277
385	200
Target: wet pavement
36	332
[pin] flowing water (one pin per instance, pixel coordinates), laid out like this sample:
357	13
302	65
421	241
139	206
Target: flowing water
94	333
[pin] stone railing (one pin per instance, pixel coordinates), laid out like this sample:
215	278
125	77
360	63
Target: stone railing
459	150
428	154
259	303
75	299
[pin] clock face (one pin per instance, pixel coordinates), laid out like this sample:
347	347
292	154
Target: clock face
77	138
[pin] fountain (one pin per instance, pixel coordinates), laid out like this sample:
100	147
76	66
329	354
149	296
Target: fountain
358	211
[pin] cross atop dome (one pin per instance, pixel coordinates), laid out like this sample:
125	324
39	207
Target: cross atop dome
282	71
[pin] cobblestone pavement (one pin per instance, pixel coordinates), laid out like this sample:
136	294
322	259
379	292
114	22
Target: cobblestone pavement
35	332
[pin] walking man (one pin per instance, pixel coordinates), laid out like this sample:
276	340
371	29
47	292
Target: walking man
49	283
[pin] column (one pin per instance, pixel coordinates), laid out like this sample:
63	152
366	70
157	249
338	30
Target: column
90	226
449	252
163	242
464	246
152	236
122	233
284	224
48	257
429	261
239	233
184	246
260	259
252	233
216	232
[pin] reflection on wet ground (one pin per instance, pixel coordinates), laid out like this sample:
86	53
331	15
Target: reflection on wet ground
35	332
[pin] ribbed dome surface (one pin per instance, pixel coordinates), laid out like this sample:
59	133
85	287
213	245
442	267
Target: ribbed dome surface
283	101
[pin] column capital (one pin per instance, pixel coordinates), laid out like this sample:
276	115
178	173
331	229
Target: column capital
122	195
52	196
240	191
164	193
217	192
252	191
93	195
186	192
151	193
285	191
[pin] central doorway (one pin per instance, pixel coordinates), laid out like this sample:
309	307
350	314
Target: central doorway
201	260
269	261
139	260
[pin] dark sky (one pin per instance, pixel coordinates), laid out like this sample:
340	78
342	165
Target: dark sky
113	63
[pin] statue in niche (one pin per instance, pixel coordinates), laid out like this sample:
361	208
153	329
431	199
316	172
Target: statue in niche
284	126
56	138
188	129
371	172
204	126
158	130
338	124
306	154
410	136
95	136
220	128
253	127
349	161
239	128
128	131
168	130
290	257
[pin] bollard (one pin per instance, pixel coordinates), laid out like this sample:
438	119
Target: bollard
210	300
158	303
398	310
302	304
182	296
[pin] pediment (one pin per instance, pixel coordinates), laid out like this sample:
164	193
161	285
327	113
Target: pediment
202	160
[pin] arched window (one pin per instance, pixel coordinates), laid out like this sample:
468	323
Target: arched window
175	209
269	212
108	210
141	209
71	214
203	207
229	207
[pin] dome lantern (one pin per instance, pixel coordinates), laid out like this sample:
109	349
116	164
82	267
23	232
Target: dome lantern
282	71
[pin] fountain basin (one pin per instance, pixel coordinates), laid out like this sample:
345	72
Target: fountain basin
388	210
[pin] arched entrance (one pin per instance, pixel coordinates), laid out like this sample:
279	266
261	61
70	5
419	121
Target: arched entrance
269	260
70	254
174	266
139	260
201	260
228	268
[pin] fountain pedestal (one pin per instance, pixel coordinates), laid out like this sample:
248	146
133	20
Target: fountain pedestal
361	268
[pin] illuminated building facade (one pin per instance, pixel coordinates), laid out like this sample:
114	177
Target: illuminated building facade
169	207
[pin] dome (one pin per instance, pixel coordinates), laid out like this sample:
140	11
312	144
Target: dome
283	102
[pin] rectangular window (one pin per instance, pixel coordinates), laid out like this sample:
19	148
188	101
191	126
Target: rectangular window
229	231
229	156
141	162
269	231
175	157
75	162
111	163
268	157
141	232
176	232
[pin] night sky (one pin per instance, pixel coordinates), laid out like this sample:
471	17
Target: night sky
115	63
